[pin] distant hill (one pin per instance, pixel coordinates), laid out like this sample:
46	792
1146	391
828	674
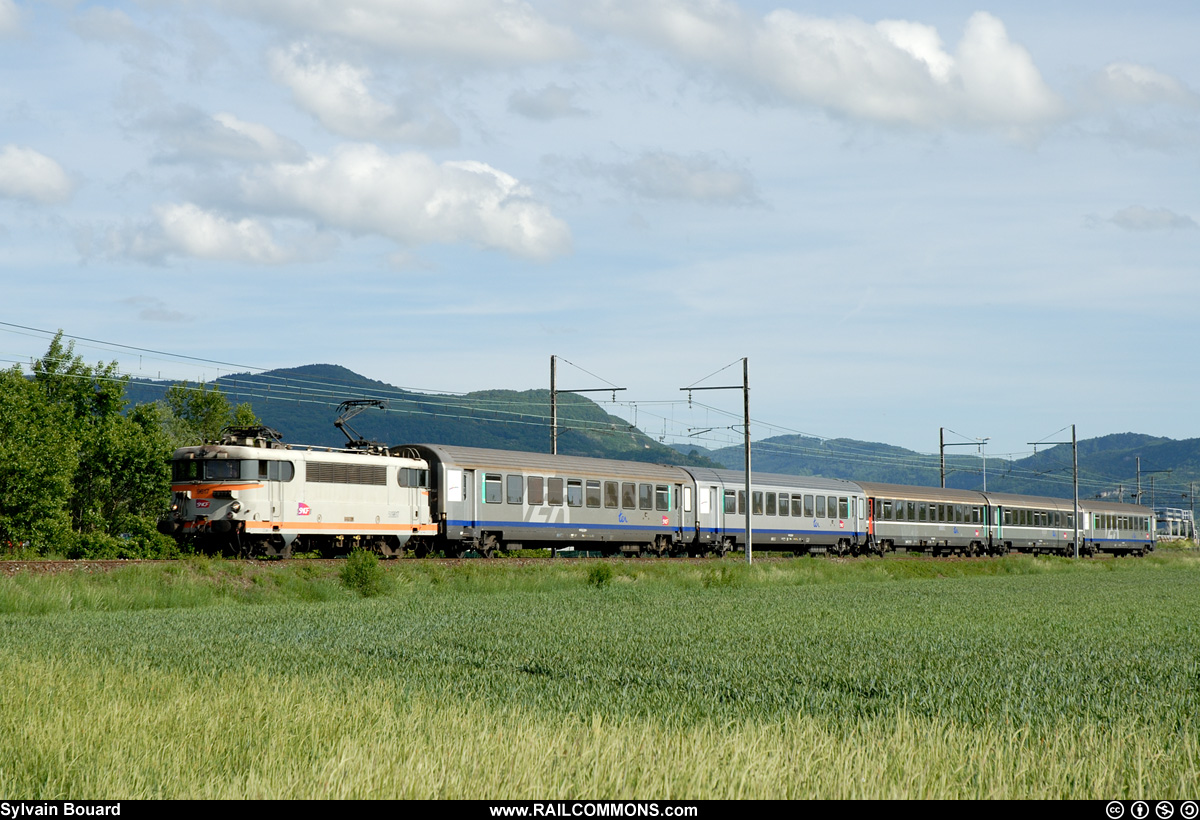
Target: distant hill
301	403
1107	466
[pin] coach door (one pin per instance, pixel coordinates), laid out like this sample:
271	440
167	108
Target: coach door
470	493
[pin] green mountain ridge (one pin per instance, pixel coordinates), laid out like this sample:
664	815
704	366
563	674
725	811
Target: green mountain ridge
301	402
1108	466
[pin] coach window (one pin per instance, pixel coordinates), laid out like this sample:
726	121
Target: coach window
554	491
645	496
730	502
534	487
741	502
628	496
574	492
843	508
886	510
783	503
797	506
922	511
756	502
832	506
820	506
593	493
771	497
662	497
808	506
491	488
515	484
611	494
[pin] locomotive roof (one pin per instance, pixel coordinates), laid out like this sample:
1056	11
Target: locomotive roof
517	460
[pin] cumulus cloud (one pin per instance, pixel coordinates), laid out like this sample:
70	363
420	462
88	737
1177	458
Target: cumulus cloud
188	134
491	32
1138	218
665	176
185	229
28	175
549	103
412	199
893	71
1130	83
338	96
10	18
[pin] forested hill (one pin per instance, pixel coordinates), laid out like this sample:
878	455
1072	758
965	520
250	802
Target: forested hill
301	403
1107	466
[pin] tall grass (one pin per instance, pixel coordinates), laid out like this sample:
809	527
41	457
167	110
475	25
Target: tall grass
1012	678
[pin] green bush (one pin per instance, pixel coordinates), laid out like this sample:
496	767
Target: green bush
363	574
600	575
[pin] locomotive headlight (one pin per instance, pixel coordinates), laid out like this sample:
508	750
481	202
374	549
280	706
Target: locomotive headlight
236	506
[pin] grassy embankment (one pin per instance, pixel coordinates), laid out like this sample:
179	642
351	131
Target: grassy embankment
804	678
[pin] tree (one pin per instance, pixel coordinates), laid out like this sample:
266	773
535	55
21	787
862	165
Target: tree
198	414
38	460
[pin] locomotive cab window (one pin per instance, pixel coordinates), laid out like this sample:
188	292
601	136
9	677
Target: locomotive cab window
405	476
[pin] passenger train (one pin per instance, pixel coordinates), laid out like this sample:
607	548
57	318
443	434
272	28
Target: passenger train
253	495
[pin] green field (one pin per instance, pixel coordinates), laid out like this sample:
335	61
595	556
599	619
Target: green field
802	678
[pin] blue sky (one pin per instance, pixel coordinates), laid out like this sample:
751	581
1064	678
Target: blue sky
906	215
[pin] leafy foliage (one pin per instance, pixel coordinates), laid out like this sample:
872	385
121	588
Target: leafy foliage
600	575
198	414
363	574
79	476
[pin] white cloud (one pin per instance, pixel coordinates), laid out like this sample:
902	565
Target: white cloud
185	229
337	95
494	32
549	103
28	175
894	71
191	135
1139	218
411	199
1136	84
665	176
10	18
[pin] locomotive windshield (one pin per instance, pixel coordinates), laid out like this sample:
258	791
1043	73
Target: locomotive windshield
230	469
